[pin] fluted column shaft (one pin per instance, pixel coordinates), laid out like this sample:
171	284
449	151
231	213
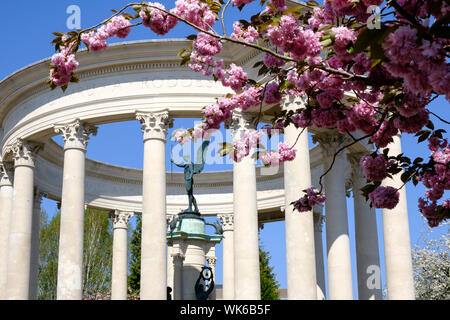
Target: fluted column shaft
246	243
366	238
212	260
154	254
227	221
71	240
6	205
177	259
300	251
35	231
119	281
19	252
338	241
397	245
320	266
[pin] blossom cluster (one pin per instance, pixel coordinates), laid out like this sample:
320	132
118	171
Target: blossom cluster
384	197
274	158
391	81
436	181
64	64
96	41
311	198
157	20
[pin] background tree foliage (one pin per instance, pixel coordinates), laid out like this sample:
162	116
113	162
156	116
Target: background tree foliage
431	265
48	264
269	284
134	278
97	259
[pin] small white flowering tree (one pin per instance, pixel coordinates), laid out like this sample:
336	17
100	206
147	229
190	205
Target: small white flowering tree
431	265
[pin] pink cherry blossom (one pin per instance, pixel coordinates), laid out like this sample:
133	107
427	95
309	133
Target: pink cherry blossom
374	168
384	197
207	45
272	94
157	20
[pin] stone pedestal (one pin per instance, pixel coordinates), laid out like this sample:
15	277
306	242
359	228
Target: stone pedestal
190	248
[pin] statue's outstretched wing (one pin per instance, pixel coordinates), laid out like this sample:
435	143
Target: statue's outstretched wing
201	156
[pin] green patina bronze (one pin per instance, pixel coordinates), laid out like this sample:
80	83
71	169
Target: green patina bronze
191	169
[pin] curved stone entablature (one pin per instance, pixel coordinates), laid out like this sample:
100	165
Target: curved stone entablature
118	188
141	76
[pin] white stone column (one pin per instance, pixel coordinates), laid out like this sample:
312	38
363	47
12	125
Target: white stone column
6	204
119	281
246	243
227	221
212	259
70	259
35	231
366	237
154	252
338	241
19	251
320	266
300	251
397	245
177	290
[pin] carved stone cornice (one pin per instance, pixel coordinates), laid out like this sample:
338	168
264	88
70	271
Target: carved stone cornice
121	219
76	134
23	153
6	173
227	221
155	125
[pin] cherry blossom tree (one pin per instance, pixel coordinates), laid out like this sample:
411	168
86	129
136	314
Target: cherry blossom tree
356	74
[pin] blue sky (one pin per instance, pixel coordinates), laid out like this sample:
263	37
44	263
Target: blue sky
28	27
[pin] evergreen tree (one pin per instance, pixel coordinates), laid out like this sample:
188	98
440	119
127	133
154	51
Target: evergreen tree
269	284
134	278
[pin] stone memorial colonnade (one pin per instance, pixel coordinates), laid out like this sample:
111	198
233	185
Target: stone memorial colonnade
143	81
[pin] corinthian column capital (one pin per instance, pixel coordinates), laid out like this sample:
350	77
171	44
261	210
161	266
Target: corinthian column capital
121	219
6	173
155	124
227	221
76	134
242	121
23	152
331	142
357	172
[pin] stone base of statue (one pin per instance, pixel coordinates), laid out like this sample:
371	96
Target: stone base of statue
188	238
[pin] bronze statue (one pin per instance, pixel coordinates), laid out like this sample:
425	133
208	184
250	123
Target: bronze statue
207	275
190	169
